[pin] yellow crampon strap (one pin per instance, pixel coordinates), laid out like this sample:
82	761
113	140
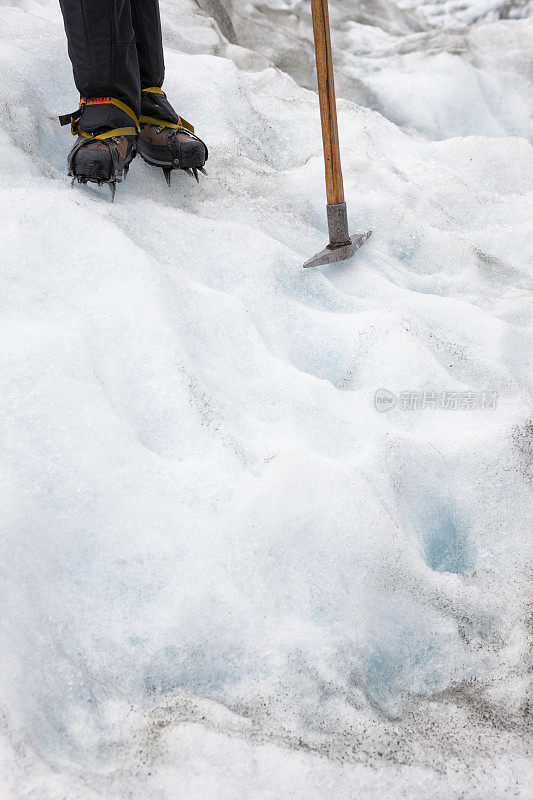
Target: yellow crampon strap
93	101
110	134
154	121
182	123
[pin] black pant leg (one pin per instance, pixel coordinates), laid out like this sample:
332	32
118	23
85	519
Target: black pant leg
102	48
147	26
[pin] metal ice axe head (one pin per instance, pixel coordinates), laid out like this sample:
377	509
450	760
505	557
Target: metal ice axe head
341	245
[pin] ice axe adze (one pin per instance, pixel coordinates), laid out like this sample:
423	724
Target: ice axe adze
341	244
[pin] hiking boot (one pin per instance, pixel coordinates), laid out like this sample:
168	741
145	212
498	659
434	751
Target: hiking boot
171	148
101	160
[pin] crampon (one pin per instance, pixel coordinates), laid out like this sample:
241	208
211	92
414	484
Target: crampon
102	155
170	145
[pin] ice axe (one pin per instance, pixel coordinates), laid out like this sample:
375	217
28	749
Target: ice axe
341	245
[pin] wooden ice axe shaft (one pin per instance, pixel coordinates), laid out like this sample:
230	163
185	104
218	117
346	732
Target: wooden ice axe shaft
341	244
328	105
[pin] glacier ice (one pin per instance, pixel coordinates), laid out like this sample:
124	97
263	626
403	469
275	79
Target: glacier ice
223	573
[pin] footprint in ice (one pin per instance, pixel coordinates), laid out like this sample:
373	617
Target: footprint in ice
444	542
433	519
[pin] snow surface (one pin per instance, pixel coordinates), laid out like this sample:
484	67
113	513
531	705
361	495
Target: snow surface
223	573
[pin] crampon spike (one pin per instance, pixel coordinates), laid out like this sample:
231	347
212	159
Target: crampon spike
113	187
166	172
195	173
202	170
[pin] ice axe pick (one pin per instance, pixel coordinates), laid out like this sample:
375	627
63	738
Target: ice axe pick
341	245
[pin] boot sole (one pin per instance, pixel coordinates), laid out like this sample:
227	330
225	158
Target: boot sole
155	159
